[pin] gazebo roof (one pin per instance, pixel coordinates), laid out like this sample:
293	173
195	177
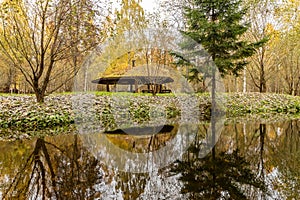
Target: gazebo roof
127	80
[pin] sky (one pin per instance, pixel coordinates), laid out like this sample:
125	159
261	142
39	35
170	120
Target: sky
149	5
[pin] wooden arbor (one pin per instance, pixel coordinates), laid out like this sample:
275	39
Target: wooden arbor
156	81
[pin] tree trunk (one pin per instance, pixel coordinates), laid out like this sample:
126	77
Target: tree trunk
40	96
262	81
244	81
39	93
262	86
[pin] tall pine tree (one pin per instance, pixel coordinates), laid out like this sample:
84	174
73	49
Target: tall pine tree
218	26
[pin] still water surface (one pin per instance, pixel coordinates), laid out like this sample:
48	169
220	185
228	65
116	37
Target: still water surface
249	161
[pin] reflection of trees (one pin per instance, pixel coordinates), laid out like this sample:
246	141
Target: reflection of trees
272	151
53	172
286	156
12	154
218	175
78	173
31	178
132	185
261	167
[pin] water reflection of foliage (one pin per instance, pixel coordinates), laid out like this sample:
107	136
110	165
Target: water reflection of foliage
54	172
219	175
285	154
78	173
132	184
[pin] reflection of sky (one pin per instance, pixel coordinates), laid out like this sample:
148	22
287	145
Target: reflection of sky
273	176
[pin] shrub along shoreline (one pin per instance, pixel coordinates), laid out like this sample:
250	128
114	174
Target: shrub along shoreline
21	113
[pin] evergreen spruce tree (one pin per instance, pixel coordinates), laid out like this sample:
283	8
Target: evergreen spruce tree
218	26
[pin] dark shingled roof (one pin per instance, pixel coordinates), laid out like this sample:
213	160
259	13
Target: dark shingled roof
127	80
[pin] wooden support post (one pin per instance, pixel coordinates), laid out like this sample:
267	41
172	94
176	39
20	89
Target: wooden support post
130	87
135	86
107	87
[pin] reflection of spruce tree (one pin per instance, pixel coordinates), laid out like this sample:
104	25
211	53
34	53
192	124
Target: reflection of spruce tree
56	172
218	175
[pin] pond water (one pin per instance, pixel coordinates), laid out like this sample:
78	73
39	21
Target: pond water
250	160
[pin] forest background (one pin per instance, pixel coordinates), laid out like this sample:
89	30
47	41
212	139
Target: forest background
43	44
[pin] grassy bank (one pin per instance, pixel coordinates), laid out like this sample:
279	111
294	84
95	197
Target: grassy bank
238	104
21	113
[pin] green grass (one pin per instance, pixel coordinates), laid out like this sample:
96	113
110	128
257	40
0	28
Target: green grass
14	94
104	93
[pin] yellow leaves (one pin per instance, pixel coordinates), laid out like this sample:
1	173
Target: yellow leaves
108	19
294	2
273	33
130	16
288	13
270	28
120	65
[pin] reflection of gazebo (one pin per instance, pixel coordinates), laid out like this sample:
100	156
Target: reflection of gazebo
156	81
142	139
